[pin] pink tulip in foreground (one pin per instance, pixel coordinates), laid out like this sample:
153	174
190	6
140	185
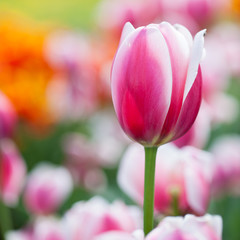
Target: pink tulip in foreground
156	89
156	82
87	220
189	227
12	172
47	187
181	174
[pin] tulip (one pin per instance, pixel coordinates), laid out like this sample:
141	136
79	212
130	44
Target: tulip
156	90
12	172
8	117
46	189
156	82
182	182
87	220
189	227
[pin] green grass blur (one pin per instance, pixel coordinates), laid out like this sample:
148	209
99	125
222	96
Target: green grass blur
73	13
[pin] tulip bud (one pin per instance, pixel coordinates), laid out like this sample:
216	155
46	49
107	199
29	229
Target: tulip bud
47	187
12	172
156	82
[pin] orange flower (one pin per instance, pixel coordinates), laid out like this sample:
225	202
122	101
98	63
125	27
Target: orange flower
24	73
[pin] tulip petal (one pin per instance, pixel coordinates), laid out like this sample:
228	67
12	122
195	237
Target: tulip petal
179	51
185	32
127	29
190	108
196	56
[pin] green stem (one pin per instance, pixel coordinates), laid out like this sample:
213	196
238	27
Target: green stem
175	203
148	204
5	219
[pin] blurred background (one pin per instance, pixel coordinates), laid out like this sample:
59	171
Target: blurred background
55	99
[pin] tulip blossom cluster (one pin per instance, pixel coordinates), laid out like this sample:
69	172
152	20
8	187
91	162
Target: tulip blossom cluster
98	220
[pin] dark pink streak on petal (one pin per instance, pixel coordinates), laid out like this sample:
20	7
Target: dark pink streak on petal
190	107
131	116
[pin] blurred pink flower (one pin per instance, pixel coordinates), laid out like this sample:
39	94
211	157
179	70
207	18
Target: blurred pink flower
72	93
216	78
48	229
86	220
46	189
226	152
227	34
111	15
12	172
118	235
201	11
86	156
189	227
8	117
157	96
43	228
181	174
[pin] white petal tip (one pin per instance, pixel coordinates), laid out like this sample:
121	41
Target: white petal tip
127	29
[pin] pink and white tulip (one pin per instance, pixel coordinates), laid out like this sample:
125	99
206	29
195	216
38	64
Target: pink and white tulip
181	174
189	227
12	172
156	82
46	189
8	117
86	220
